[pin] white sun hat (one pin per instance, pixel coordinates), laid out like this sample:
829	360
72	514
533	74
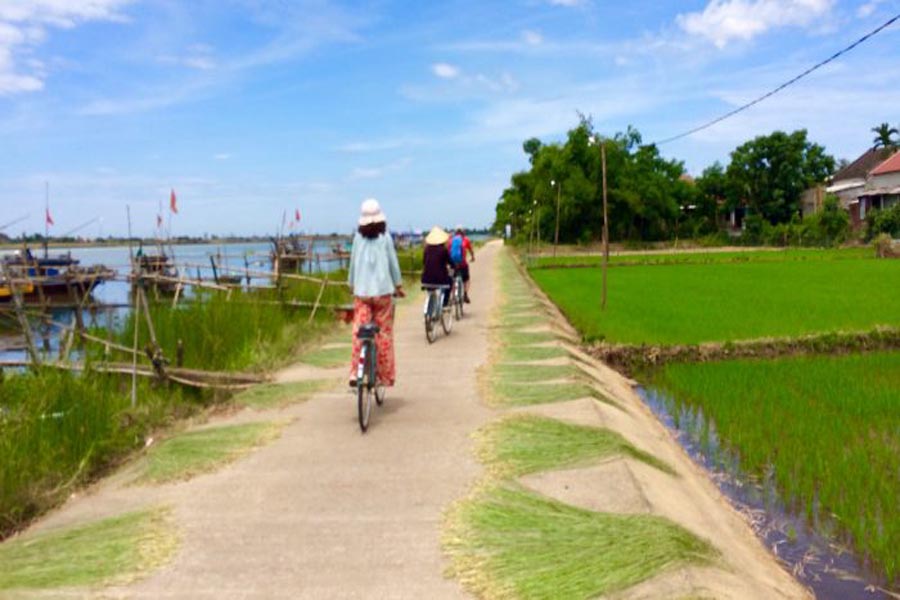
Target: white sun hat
370	212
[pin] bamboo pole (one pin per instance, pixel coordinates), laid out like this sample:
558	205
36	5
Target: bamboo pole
312	313
605	224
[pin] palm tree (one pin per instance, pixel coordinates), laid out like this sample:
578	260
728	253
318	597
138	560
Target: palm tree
884	136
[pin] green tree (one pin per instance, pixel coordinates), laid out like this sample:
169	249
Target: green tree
770	173
884	136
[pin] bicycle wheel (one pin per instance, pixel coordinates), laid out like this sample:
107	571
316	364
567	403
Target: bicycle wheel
460	296
364	391
447	320
380	393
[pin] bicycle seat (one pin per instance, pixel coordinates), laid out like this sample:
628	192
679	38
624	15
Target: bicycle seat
367	331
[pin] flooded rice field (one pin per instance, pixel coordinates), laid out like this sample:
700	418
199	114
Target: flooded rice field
806	550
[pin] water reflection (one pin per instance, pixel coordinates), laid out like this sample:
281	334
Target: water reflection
826	567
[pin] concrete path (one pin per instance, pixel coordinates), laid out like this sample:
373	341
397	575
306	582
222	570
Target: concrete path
326	512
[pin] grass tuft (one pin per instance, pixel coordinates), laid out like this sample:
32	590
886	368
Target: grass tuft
529	444
506	542
115	550
276	395
196	452
531	353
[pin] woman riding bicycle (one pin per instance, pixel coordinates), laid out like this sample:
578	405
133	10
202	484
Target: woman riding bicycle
436	261
374	278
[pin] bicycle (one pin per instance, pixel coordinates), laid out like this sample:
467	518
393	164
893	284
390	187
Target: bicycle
435	312
458	294
367	385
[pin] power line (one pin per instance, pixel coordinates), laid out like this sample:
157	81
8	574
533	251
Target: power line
831	58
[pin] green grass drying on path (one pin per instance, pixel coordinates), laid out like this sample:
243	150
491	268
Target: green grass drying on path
115	550
276	395
511	337
531	353
720	302
829	427
524	394
505	542
327	358
704	257
527	444
189	454
515	373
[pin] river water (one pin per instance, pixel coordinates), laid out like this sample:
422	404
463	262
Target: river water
822	564
192	260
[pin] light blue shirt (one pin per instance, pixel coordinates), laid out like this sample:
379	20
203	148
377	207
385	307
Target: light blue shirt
374	268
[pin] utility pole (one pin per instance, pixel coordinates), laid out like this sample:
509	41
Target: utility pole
605	223
558	185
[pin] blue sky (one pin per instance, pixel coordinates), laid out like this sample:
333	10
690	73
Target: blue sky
249	108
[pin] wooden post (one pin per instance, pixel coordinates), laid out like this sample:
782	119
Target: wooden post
315	307
23	319
138	287
605	223
556	237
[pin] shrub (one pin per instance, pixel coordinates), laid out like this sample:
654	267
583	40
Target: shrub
883	221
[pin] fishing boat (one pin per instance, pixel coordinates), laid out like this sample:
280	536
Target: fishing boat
51	276
289	254
155	270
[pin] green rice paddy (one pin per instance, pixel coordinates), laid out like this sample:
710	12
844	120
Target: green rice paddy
506	542
189	454
829	428
686	304
114	550
702	257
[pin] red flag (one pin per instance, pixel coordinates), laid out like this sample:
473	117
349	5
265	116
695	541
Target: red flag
297	215
48	217
172	206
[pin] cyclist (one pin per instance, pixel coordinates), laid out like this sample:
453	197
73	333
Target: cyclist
436	261
374	277
458	246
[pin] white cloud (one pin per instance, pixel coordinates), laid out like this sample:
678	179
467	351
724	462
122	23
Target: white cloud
24	24
222	156
569	3
532	38
359	147
376	172
445	70
868	8
196	56
723	21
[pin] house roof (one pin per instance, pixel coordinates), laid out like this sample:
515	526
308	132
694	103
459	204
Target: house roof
891	165
862	166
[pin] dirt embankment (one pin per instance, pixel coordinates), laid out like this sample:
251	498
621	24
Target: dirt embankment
630	358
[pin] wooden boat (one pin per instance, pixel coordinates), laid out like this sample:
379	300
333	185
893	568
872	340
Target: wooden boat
50	276
289	255
156	271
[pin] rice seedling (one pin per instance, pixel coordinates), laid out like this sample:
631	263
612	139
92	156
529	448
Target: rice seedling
696	303
275	395
674	258
506	542
527	444
826	428
189	454
114	550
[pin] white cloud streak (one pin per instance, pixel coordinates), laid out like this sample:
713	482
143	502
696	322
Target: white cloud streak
723	21
24	25
445	70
